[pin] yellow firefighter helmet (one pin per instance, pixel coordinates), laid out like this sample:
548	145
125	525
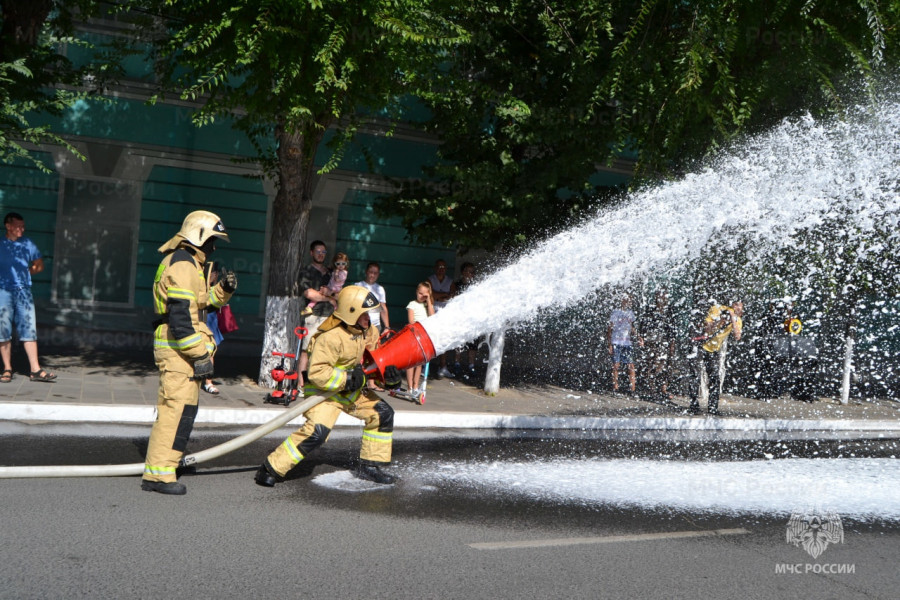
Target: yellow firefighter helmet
352	302
196	229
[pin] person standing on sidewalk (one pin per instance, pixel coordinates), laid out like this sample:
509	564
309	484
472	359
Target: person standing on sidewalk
720	322
418	310
380	318
620	332
466	277
182	344
440	294
19	260
210	273
659	346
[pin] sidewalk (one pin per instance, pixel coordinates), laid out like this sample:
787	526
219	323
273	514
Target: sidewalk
109	388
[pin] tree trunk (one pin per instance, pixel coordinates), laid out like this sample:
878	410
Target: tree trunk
848	368
849	342
496	341
290	218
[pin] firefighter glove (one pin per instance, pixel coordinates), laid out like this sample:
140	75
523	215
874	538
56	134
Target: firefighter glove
203	367
355	379
392	377
229	282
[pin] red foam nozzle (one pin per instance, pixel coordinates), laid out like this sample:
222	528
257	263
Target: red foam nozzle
409	348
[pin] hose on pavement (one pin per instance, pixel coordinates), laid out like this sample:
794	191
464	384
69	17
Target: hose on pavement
193	459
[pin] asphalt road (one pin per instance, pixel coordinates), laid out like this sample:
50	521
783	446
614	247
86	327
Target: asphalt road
321	534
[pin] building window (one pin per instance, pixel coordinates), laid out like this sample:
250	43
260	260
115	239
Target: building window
96	242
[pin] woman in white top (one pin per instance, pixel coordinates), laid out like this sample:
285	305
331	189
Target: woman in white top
418	310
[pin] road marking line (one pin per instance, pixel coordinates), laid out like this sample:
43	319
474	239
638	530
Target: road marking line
612	539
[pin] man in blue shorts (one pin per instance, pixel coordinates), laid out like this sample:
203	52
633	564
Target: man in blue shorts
620	332
19	260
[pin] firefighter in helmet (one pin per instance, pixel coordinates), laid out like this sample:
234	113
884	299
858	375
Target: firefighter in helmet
182	343
334	356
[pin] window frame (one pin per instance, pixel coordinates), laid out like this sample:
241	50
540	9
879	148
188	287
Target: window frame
131	193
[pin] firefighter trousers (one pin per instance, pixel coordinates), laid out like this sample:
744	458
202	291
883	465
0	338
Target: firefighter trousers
377	436
708	367
176	409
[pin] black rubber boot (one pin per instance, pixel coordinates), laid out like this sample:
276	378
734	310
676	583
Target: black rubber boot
375	474
265	477
174	488
183	470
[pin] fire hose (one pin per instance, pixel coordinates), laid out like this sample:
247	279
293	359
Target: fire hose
410	347
193	459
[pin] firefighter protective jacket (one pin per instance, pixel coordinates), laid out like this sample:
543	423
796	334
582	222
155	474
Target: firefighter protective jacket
180	294
333	353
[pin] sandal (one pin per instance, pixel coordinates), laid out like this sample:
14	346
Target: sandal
42	375
7	376
210	389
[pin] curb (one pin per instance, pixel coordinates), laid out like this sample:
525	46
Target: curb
104	413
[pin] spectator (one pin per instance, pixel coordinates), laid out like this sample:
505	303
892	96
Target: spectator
770	361
19	260
720	322
659	343
773	349
620	332
379	316
313	285
212	321
440	290
339	267
778	319
466	275
417	310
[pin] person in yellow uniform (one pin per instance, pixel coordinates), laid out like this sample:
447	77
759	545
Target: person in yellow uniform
182	343
720	322
335	353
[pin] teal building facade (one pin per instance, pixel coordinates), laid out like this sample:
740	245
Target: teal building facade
99	221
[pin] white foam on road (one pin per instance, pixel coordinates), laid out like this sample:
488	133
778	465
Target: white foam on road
345	481
864	488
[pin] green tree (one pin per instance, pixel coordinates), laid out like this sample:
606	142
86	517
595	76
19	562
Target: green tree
37	79
286	71
548	91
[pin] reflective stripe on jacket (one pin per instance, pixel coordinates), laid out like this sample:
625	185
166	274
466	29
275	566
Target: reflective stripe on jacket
332	355
180	292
